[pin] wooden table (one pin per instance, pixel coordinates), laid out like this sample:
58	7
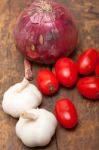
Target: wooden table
86	135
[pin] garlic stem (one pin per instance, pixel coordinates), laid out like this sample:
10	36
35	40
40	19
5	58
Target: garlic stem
28	70
23	85
28	115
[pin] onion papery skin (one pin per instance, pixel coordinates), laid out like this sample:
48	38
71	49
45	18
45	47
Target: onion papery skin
45	31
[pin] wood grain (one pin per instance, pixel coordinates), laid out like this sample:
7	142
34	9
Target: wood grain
86	135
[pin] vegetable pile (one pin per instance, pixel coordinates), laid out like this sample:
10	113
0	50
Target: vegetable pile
22	101
66	72
45	31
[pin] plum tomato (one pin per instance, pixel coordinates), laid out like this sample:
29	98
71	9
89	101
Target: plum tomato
66	71
87	61
89	87
47	82
66	113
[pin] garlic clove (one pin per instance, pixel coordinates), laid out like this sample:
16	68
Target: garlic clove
37	131
35	91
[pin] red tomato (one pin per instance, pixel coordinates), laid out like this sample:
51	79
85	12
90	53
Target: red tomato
97	70
66	72
47	82
87	61
89	87
66	113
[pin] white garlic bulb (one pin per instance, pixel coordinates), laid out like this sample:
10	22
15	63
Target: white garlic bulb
21	97
36	127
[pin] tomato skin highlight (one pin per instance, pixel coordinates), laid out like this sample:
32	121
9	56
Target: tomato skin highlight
66	113
89	87
47	82
66	71
87	61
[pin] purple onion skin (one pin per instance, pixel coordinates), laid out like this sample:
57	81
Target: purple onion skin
45	32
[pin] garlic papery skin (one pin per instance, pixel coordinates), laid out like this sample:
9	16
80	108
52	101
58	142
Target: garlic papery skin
21	97
36	127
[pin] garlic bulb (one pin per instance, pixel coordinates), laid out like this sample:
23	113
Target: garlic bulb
36	127
21	97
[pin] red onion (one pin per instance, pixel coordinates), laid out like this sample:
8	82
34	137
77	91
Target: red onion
45	31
